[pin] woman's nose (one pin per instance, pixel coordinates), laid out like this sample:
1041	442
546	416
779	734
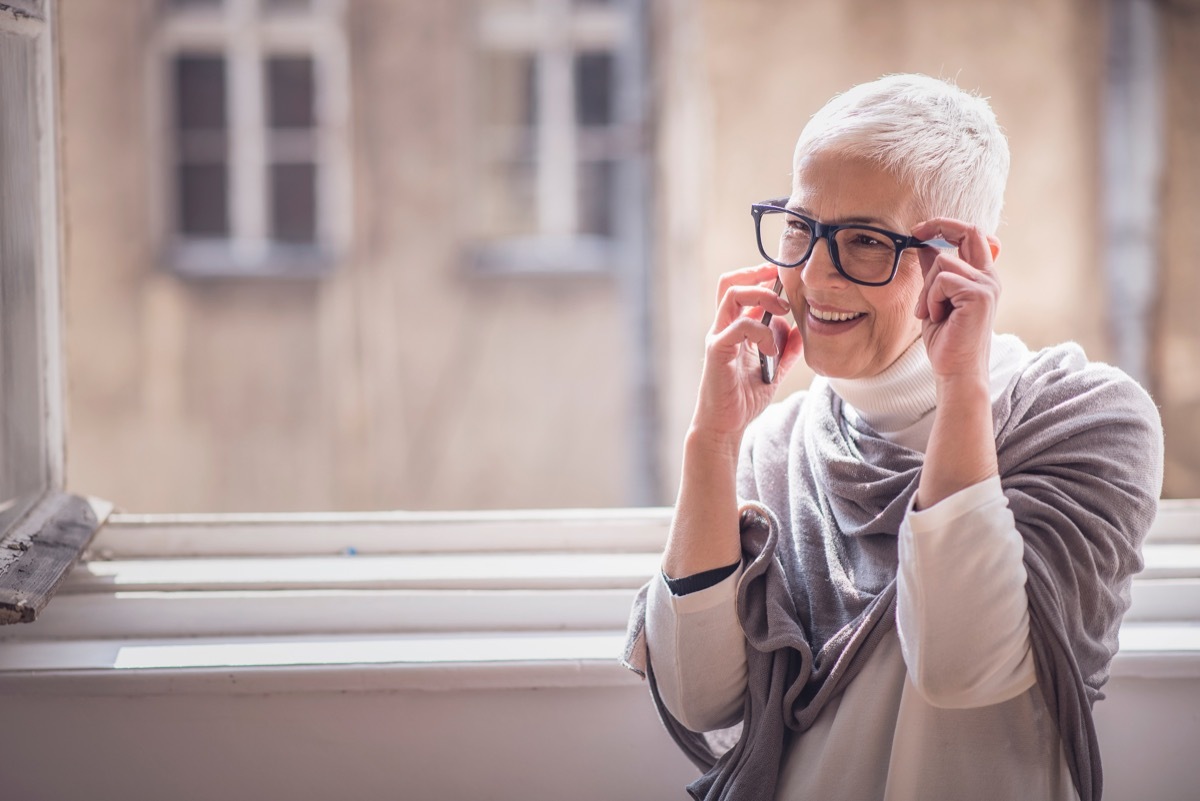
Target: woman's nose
819	269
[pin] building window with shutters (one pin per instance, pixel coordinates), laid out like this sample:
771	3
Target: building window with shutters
253	98
559	110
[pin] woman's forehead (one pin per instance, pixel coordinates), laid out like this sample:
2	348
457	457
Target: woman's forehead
834	187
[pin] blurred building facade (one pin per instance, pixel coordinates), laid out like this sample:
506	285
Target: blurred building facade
378	254
1176	334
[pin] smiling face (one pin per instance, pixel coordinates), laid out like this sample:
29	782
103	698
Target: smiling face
850	330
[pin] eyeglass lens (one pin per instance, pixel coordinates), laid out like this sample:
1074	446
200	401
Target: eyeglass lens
862	253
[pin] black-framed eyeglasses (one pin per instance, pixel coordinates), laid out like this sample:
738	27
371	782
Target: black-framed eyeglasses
864	254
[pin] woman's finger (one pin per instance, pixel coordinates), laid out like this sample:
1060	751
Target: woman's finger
929	270
792	349
739	298
946	262
974	246
948	291
725	344
760	273
934	264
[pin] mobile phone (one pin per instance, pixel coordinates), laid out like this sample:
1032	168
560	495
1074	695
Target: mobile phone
770	363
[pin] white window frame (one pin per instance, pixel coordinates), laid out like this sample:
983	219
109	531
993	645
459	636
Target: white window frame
39	547
154	580
246	35
28	19
553	31
370	601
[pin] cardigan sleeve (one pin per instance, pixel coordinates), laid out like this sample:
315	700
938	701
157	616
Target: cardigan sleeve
962	610
699	652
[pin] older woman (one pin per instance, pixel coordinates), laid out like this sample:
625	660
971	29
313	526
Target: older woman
905	582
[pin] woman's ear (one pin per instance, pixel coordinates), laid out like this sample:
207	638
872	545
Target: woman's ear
994	244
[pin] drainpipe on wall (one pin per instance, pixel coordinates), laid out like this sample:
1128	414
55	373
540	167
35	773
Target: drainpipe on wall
644	484
1133	161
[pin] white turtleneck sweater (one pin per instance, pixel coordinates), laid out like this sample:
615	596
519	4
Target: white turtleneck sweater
958	668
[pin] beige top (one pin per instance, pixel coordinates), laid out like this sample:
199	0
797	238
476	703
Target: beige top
947	705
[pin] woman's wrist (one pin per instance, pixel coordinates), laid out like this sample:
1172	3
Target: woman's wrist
704	531
710	443
957	391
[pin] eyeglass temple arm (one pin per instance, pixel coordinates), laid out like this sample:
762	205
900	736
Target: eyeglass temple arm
930	243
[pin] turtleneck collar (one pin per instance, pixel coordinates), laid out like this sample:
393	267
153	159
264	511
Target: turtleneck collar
896	398
898	403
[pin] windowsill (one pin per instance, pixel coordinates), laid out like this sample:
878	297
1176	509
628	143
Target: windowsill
1158	651
428	601
338	603
222	259
458	661
174	536
545	256
478	571
447	661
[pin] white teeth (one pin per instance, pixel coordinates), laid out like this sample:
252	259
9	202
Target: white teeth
834	317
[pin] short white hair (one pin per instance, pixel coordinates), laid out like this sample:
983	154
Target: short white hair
930	134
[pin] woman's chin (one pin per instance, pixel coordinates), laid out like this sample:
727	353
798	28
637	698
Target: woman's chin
831	365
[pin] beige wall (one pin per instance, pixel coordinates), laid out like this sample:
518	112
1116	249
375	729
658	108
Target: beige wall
400	381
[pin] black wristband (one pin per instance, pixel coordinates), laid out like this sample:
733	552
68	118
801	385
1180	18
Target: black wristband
700	581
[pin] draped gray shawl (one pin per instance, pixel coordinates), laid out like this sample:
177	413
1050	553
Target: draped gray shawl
1079	447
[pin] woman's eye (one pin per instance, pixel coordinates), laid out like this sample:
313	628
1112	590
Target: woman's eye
866	241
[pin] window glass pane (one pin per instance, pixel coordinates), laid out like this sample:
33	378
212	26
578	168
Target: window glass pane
596	195
290	92
23	462
203	200
200	114
200	92
294	203
594	88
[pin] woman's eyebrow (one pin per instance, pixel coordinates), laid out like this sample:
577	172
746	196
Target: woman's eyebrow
878	222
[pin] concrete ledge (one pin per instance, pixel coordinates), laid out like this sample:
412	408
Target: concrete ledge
311	664
426	661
